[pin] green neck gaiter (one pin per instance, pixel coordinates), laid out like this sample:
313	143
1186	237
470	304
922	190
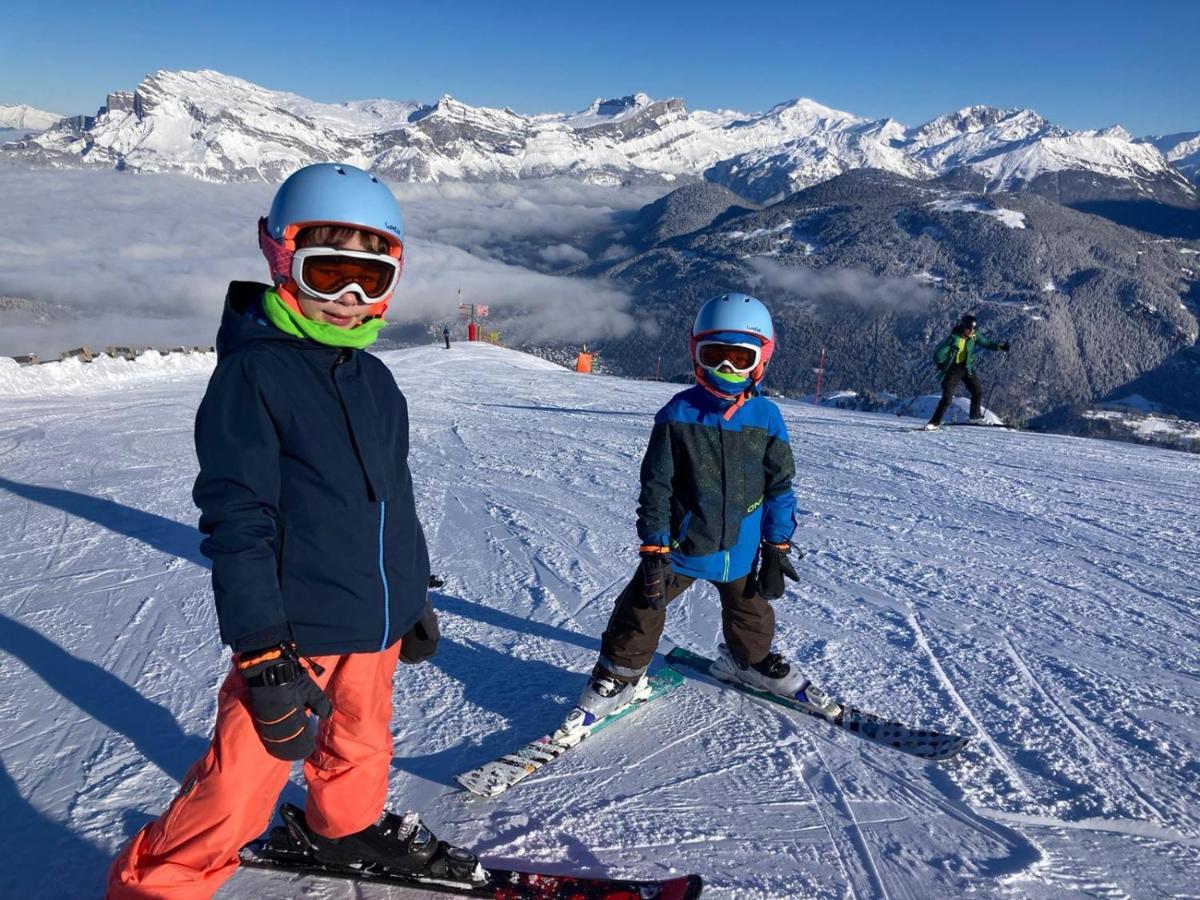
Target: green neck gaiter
732	377
291	322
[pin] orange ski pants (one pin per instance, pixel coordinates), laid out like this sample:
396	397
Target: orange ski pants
228	797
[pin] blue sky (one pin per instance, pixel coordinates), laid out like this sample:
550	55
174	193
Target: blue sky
1084	65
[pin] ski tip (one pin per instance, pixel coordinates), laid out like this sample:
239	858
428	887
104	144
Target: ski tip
949	751
481	787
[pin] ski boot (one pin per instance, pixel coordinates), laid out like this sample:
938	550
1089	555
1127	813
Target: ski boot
932	426
605	695
775	676
396	845
977	420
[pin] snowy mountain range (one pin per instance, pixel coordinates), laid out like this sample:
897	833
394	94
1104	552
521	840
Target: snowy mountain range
1181	150
221	128
26	118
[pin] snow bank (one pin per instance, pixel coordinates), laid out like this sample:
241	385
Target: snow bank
436	355
958	413
836	399
75	376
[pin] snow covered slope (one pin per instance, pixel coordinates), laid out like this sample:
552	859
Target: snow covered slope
1039	592
223	128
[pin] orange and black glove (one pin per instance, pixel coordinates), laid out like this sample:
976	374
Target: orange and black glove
774	566
656	573
281	694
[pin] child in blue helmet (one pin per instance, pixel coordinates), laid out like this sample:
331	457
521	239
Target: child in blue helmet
716	505
320	568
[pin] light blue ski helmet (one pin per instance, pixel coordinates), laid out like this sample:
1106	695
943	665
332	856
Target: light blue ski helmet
735	312
327	194
334	193
738	313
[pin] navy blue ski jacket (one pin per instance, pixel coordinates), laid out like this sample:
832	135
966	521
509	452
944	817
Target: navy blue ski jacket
305	494
714	489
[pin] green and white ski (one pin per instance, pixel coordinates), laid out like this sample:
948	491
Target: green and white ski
494	778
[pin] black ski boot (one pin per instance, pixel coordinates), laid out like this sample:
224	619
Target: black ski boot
397	845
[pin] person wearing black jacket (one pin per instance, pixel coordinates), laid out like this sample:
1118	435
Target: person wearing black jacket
320	569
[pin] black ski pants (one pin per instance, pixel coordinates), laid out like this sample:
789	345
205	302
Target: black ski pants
634	630
958	372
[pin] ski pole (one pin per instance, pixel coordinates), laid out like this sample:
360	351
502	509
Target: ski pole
911	378
995	381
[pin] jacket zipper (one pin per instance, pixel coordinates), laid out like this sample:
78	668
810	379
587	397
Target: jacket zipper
387	607
343	357
724	484
724	503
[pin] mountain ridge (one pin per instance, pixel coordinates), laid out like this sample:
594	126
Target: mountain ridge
222	128
20	116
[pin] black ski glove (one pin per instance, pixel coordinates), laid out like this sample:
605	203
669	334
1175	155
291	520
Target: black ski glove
1003	345
656	572
421	641
774	566
281	694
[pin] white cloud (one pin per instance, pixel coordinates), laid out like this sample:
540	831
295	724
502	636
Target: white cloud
541	307
563	255
138	260
145	259
843	287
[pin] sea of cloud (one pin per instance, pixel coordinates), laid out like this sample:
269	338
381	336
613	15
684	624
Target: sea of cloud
132	259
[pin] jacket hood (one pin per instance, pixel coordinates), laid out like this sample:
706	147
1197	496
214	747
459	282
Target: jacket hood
243	319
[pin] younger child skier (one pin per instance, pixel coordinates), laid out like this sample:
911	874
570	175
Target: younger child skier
716	505
319	565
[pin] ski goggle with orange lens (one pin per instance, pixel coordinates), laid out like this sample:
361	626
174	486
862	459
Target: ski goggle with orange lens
329	272
742	358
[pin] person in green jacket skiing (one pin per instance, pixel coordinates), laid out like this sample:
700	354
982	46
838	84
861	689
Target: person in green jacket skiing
955	359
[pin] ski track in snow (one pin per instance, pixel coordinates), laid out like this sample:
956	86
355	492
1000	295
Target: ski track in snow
1037	592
